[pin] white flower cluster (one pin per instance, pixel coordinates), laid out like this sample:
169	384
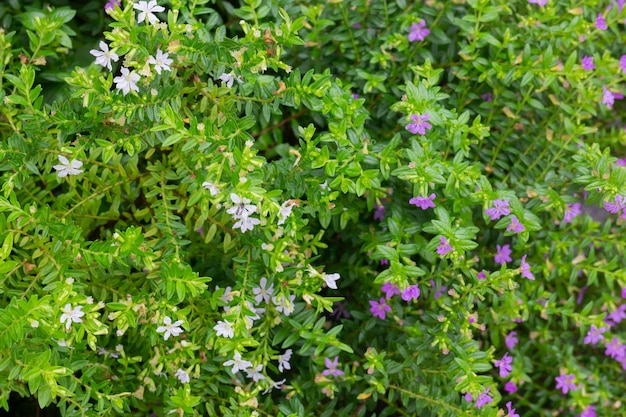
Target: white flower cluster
128	80
242	211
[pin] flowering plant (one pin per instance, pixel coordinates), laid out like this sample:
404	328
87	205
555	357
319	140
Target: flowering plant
313	208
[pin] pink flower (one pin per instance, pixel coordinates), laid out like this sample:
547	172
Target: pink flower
379	309
539	2
423	202
622	63
481	275
418	31
503	254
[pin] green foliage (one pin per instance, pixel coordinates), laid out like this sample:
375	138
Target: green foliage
249	199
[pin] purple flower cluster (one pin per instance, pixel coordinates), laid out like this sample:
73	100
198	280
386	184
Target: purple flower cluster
618	206
381	308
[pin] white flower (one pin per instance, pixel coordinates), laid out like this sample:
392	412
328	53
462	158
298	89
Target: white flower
228	79
70	315
285	211
262	293
146	9
284	305
224	328
276	385
127	81
246	223
68	168
227	297
283	360
255	373
242	208
104	56
237	363
331	279
182	376
213	189
250	319
160	62
170	328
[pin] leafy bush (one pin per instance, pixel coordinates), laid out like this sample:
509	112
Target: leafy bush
313	208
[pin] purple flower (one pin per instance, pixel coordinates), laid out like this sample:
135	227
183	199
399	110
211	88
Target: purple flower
501	208
504	365
419	125
423	202
565	382
525	267
438	291
418	32
331	367
411	293
619	205
622	63
110	5
608	97
510	387
481	275
384	261
621	162
615	350
589	411
587	63
503	254
600	22
515	226
618	315
340	310
488	97
571	212
468	397
444	247
379	212
511	340
379	309
390	289
594	335
483	398
539	2
624	292
511	410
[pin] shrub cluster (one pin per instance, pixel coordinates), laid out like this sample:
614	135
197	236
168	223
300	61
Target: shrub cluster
313	208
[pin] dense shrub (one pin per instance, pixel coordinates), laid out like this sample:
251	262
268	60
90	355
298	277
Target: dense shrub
313	208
